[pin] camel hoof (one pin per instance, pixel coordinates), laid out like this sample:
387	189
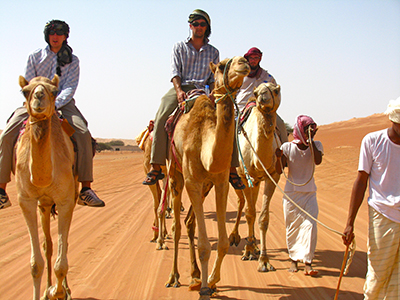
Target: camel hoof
195	284
205	291
234	239
253	257
265	267
245	257
175	285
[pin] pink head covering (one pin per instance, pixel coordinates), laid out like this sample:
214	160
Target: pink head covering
253	51
300	137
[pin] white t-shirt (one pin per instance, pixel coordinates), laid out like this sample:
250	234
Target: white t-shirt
300	166
380	158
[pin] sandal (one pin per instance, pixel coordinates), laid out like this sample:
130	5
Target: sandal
153	176
236	182
309	271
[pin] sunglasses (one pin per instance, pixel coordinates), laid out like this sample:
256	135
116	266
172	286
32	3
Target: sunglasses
202	24
58	32
56	29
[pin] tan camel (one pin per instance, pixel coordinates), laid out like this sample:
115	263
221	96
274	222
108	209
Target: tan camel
203	142
160	213
44	176
259	127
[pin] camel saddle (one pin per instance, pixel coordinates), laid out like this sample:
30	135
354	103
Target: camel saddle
183	107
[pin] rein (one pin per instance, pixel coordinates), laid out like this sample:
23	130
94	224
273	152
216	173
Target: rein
229	91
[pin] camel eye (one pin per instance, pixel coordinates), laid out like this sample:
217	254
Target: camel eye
25	93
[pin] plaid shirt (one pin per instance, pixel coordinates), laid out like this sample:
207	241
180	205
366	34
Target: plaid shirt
43	62
192	66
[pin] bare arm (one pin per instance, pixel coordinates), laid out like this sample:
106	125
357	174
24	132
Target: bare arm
280	161
357	197
317	154
180	94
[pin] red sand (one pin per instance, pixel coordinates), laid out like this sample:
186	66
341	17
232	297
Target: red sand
111	258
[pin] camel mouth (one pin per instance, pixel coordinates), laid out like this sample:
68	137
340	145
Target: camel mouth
246	71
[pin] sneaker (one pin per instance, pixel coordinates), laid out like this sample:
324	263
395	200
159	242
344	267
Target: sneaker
4	201
90	198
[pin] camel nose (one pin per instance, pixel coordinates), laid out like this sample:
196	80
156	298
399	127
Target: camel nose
39	95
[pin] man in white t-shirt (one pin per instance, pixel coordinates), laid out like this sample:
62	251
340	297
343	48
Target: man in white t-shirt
379	165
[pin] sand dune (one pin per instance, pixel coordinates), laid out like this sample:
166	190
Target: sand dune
111	258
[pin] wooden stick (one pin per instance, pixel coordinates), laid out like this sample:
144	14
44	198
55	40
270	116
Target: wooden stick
341	271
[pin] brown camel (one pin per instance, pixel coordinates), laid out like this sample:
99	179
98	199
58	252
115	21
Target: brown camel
203	142
160	213
45	177
259	127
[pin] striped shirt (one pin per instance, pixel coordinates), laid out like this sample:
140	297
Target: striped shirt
192	66
43	62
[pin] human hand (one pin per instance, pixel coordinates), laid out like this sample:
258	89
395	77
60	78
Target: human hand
181	96
348	235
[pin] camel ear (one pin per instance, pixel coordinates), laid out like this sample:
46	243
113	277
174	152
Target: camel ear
22	81
277	89
55	80
255	91
213	67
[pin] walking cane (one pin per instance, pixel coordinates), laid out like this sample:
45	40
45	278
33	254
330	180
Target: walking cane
342	271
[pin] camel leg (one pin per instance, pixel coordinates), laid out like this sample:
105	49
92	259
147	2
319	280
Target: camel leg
48	244
221	192
59	291
190	222
194	189
155	192
162	230
37	263
176	183
234	237
263	262
250	250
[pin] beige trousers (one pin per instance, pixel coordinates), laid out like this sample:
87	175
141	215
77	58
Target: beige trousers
383	280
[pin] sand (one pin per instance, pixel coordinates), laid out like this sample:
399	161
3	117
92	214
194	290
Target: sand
111	257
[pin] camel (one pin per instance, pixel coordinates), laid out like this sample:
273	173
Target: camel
259	127
44	175
160	213
203	142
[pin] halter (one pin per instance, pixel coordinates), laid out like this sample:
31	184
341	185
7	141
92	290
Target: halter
229	90
28	106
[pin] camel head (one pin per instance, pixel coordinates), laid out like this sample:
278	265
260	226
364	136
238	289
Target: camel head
268	97
40	94
229	74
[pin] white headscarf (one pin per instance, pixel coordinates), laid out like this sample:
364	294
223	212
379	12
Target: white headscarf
393	110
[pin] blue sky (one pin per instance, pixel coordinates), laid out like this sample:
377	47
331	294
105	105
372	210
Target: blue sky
334	60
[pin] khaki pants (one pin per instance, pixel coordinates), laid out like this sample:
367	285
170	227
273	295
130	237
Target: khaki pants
159	149
82	136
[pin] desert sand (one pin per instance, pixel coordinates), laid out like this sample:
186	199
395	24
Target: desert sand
111	257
